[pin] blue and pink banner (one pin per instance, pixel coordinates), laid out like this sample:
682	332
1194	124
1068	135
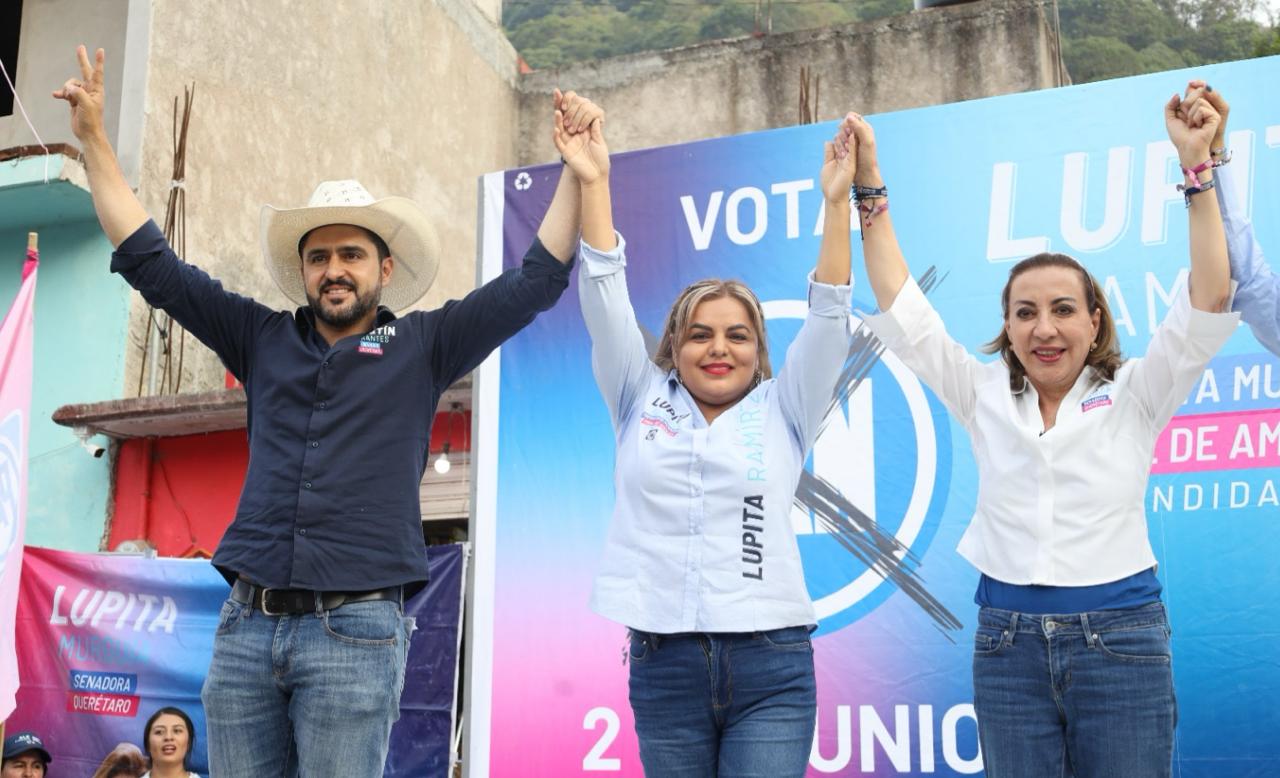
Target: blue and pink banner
17	335
1087	170
105	640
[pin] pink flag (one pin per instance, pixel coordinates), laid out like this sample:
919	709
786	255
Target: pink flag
16	342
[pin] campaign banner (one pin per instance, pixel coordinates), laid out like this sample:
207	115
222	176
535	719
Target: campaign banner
105	640
17	342
1087	170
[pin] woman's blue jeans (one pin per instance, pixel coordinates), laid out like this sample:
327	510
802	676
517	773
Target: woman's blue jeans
724	705
1088	695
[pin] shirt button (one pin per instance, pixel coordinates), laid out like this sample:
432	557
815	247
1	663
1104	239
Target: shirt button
306	484
324	363
315	444
321	406
302	532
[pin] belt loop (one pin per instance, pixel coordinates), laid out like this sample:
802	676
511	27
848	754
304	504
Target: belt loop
655	639
1012	629
249	604
1089	635
319	599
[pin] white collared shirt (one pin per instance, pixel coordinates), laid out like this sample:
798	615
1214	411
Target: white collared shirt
701	538
1066	507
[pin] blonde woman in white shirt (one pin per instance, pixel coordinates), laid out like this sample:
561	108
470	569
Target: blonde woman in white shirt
1072	671
701	562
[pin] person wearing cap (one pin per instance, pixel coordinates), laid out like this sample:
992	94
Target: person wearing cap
310	648
24	756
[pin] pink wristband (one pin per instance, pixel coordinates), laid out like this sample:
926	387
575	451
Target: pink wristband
1192	175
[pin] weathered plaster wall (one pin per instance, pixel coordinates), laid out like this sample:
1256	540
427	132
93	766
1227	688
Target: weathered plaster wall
928	57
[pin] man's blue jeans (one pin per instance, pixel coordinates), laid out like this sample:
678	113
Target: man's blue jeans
727	705
1088	695
311	695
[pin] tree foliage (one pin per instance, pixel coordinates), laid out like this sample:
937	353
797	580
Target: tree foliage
1101	38
1110	39
550	33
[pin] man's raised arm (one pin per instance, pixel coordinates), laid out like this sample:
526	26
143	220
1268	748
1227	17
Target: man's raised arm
117	206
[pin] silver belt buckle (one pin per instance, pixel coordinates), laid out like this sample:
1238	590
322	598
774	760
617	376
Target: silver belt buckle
265	610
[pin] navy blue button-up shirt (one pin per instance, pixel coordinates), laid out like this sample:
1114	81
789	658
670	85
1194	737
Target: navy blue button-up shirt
337	434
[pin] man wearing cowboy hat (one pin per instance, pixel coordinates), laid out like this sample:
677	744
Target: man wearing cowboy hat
310	649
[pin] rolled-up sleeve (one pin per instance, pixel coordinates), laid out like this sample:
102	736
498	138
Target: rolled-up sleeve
619	359
468	330
815	359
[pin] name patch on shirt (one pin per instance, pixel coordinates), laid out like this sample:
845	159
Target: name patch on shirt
372	341
1097	401
662	416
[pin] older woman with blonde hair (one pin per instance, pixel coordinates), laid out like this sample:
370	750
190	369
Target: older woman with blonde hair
701	562
1071	667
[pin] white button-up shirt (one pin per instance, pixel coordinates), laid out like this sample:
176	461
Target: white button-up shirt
1065	508
701	538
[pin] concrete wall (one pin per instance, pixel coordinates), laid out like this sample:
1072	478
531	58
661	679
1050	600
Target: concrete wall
414	99
51	30
710	90
79	309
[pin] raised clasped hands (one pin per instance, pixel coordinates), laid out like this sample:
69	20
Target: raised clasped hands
1192	126
1198	90
578	133
860	139
85	95
839	163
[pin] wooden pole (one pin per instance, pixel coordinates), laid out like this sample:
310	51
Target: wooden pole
32	239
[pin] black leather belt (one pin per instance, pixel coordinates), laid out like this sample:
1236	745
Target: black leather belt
285	602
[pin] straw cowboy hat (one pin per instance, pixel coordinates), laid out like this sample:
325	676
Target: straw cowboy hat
397	220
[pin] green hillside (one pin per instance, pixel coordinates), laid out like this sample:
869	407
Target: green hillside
1101	38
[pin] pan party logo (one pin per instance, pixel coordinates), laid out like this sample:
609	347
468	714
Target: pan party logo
874	487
